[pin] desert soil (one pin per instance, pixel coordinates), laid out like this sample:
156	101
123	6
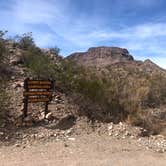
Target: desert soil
82	150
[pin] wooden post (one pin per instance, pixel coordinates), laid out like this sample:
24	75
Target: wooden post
46	108
25	111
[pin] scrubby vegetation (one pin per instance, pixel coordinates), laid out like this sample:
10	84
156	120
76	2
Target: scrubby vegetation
39	64
4	75
122	93
110	94
24	41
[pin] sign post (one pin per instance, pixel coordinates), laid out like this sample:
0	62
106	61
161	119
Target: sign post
37	91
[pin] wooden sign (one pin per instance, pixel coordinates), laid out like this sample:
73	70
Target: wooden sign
39	82
36	100
37	91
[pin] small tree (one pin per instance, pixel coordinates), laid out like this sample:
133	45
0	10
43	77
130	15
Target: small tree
26	41
55	50
39	64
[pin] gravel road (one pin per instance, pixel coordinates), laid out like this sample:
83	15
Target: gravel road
82	150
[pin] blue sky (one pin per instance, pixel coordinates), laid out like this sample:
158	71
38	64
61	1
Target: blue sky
76	25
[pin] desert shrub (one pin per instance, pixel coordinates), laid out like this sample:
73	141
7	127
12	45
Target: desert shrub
97	98
4	75
4	101
4	57
3	50
38	63
55	50
25	41
157	90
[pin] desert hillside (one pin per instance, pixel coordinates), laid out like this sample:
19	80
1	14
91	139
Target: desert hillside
103	92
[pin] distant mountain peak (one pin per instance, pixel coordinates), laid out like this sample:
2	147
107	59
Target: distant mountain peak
102	56
151	65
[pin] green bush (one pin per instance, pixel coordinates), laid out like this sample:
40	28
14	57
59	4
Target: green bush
55	50
121	95
4	75
3	50
157	91
4	102
39	64
25	41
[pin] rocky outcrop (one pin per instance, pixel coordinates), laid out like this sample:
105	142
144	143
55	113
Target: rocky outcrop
102	56
148	65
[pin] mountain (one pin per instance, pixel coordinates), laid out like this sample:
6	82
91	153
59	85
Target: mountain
101	57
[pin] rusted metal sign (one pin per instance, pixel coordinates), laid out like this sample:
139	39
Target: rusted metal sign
37	91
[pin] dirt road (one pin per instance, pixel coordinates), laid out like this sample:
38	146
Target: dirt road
84	150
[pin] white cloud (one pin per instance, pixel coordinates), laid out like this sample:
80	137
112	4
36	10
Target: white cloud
149	30
38	11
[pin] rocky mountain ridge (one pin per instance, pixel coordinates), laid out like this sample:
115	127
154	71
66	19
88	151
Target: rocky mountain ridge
104	56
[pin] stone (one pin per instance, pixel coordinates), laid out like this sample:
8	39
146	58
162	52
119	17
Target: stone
132	137
71	139
68	132
1	133
120	123
18	84
49	116
42	116
110	133
160	150
6	137
40	136
66	145
24	136
116	134
21	108
110	127
127	133
13	77
17	145
16	60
